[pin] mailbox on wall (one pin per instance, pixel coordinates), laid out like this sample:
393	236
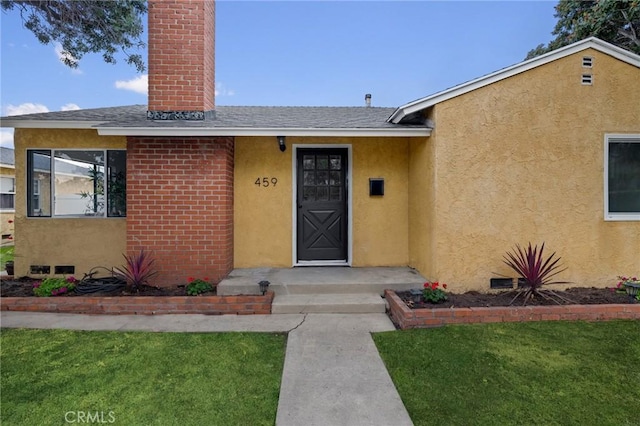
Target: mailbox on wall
376	186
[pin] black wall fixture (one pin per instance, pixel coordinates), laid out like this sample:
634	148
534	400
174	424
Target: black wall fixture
376	187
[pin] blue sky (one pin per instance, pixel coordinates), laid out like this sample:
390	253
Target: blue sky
297	53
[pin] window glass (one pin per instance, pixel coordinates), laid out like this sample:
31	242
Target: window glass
6	201
7	192
7	185
39	181
79	183
84	183
117	183
624	177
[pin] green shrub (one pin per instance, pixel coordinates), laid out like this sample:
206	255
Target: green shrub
54	286
198	286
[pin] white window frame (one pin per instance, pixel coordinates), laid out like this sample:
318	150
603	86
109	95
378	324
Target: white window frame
608	138
12	192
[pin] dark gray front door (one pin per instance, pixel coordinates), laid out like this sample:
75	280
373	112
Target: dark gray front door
322	204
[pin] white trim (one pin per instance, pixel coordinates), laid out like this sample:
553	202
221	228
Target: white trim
607	215
294	206
322	263
589	43
283	131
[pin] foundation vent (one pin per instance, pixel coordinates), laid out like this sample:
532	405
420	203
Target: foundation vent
64	269
587	62
501	283
587	79
39	269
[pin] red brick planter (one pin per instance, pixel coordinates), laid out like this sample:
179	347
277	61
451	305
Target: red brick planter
405	317
142	305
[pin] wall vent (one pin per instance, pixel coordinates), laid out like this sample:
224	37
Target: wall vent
587	79
40	269
64	269
501	282
587	62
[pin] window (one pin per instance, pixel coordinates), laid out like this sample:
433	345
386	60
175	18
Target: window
73	183
7	193
622	177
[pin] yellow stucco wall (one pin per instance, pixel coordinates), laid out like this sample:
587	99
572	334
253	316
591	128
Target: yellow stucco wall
263	226
522	160
82	242
422	202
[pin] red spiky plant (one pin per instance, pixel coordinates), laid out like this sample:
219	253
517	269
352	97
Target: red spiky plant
137	271
537	271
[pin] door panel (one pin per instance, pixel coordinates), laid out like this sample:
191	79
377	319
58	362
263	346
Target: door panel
322	204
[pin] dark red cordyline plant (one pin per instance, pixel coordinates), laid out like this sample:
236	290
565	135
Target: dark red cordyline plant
535	269
138	270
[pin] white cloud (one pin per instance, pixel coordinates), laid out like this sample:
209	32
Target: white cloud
139	84
69	107
6	138
223	91
26	108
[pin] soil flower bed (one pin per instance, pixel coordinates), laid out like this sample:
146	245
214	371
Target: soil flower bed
473	307
17	295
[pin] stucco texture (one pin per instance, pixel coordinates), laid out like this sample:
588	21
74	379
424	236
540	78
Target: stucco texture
80	242
522	160
263	226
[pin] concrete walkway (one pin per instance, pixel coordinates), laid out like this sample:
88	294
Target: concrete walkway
332	375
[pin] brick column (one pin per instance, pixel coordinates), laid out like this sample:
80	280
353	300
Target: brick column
180	205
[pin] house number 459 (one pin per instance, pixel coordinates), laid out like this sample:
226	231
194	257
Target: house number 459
266	181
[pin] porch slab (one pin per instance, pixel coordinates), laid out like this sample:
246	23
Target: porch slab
360	303
321	280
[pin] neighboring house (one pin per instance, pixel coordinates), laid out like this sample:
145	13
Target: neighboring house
546	150
7	193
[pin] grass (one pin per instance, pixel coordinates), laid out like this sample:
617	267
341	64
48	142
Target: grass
6	254
541	373
138	378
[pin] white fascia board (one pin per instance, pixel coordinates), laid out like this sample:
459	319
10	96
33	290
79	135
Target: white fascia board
49	124
521	67
234	131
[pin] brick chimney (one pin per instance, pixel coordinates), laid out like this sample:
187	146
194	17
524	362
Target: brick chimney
181	59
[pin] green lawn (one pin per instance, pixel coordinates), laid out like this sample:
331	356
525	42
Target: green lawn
6	254
542	373
140	378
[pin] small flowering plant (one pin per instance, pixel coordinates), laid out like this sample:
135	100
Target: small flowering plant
623	281
432	292
54	286
197	286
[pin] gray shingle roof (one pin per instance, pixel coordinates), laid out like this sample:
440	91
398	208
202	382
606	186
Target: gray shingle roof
232	117
7	156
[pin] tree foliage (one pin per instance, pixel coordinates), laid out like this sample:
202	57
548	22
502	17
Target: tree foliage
86	26
614	21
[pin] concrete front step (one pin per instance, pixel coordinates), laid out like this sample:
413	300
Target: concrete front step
361	303
321	280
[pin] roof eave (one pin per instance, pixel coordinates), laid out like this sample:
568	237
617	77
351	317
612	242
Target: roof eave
235	131
49	124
